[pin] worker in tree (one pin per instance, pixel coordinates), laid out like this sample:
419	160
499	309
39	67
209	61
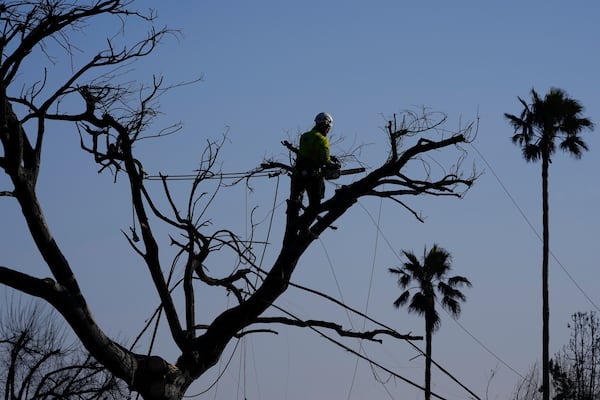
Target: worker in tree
313	158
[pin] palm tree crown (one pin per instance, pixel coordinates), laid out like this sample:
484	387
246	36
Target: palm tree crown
427	276
544	120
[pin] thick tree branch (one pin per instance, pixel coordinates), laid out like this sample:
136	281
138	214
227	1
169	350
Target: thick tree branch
347	195
151	255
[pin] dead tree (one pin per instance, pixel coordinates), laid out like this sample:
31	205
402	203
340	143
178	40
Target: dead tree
575	368
112	117
38	362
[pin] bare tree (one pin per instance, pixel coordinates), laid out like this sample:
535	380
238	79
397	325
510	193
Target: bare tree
529	386
576	367
111	116
38	363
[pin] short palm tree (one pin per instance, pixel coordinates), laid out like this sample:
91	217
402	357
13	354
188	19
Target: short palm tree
540	123
429	278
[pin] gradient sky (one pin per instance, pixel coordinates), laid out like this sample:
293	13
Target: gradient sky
268	67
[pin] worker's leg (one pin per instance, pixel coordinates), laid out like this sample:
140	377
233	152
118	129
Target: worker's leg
297	187
313	190
294	203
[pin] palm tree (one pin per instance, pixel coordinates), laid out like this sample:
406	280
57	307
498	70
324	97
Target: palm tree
429	276
556	116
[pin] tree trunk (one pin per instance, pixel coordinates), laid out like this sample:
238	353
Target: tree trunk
428	336
545	295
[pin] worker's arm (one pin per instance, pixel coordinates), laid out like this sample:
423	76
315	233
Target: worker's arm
325	146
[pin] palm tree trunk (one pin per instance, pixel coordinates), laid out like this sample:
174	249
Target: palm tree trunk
428	336
545	295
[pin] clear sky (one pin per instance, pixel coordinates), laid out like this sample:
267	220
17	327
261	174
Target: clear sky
268	68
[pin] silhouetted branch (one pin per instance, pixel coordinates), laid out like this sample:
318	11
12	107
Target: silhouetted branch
368	335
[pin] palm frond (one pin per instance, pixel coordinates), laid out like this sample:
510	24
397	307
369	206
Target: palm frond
402	299
413	262
452	305
395	270
459	281
573	145
450	292
535	96
415	271
516	122
520	139
532	152
573	124
525	105
404	278
437	262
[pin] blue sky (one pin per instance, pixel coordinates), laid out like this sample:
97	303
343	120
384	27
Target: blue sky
268	67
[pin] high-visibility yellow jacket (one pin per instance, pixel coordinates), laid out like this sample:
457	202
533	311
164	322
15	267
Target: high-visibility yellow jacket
313	151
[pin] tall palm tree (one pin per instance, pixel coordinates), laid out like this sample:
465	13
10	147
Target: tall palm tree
429	278
555	117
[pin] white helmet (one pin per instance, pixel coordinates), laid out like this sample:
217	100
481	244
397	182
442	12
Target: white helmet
324	119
